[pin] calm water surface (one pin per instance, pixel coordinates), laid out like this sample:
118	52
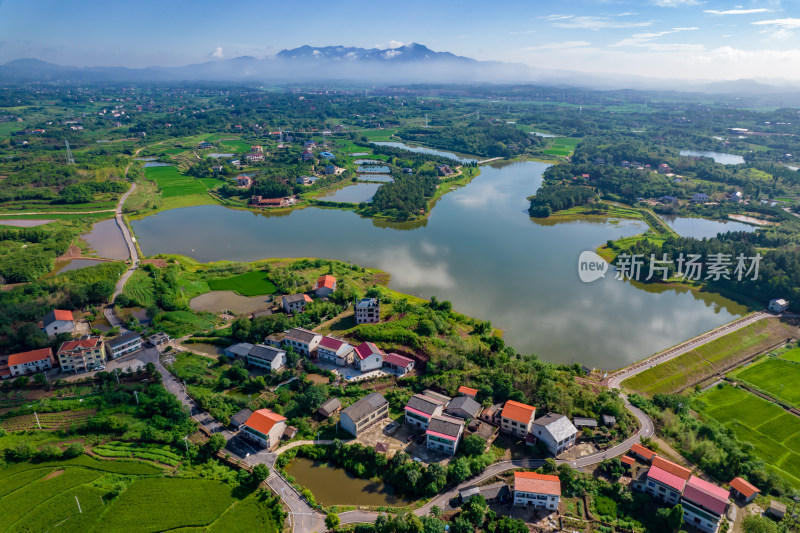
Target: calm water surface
106	239
700	228
334	486
719	157
478	249
422	150
354	194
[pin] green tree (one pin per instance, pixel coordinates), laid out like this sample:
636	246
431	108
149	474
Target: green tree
40	379
332	521
216	443
21	382
475	510
259	474
473	445
759	524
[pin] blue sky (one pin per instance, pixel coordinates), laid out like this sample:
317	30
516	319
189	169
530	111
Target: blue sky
693	39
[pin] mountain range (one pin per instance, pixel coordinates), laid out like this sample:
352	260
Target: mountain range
411	63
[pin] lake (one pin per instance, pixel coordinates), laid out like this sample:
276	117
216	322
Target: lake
478	249
107	240
373	169
376	177
218	156
354	194
335	486
700	228
718	157
461	158
151	164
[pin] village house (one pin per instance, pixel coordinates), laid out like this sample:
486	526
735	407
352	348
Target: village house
463	407
704	504
444	433
368	311
556	431
58	321
253	157
537	490
238	351
158	339
295	303
517	418
467	391
266	357
216	168
327	155
665	480
330	407
494	493
243	182
742	490
444	170
663	168
259	201
205	145
581	422
258	149
124	344
325	286
335	351
609	421
700	198
305	180
778	306
430	393
420	409
368	357
329	170
264	427
645	454
82	355
397	364
32	362
302	341
367	411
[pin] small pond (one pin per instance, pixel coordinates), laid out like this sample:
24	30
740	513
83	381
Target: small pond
376	177
204	348
218	156
545	135
107	240
335	486
718	157
23	222
373	169
74	264
702	227
354	194
150	164
358	154
216	301
368	162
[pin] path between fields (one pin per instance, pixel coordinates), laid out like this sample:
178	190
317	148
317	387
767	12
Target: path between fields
57	212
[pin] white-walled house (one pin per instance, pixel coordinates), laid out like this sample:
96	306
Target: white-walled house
335	351
368	357
420	409
266	357
264	427
517	418
556	431
362	414
778	305
302	341
32	362
124	344
444	434
397	364
58	321
537	490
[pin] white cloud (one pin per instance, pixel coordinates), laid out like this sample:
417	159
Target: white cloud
217	53
389	54
676	3
785	23
391	45
643	39
737	11
597	23
558	46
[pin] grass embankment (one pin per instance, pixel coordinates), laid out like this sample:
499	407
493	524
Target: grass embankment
775	377
115	496
711	358
773	432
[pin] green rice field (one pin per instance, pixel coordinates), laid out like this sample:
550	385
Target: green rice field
253	283
792	355
235	145
772	431
776	377
173	183
562	146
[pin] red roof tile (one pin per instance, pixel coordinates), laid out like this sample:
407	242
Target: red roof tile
82	343
538	483
365	349
706	494
61	314
330	343
326	281
743	487
263	420
397	359
518	411
641	451
468	391
665	478
29	357
627	460
674	469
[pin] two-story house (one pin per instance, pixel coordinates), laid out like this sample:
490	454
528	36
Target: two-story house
264	427
368	357
124	344
302	341
556	431
362	414
444	434
335	351
537	490
420	409
704	504
517	418
397	364
58	321
325	286
665	480
32	362
368	311
267	357
295	303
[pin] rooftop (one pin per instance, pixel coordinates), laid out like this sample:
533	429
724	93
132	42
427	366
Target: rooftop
261	351
445	426
640	450
124	338
292	298
397	359
557	425
675	469
518	411
29	357
365	349
466	405
302	335
706	495
537	483
57	314
666	478
467	391
743	487
263	420
423	404
365	406
326	281
83	344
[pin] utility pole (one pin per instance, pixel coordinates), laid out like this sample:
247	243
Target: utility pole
136	395
70	159
37	420
116	374
186	442
79	505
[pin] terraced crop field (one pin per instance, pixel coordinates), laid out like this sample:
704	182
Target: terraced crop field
48	421
776	377
159	453
772	431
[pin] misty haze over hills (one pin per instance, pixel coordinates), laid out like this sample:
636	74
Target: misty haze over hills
411	63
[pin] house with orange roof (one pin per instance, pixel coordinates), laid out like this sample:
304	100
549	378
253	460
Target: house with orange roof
295	303
325	286
639	451
32	362
742	490
466	391
82	355
537	490
58	321
264	427
517	418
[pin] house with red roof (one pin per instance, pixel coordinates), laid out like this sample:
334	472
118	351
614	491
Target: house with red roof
742	490
704	504
517	418
58	321
640	452
32	362
397	364
264	427
467	391
368	357
665	480
82	355
537	490
335	351
325	286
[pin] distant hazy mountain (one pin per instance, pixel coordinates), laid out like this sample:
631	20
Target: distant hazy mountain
412	63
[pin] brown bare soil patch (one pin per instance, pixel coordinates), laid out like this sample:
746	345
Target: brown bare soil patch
54	473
